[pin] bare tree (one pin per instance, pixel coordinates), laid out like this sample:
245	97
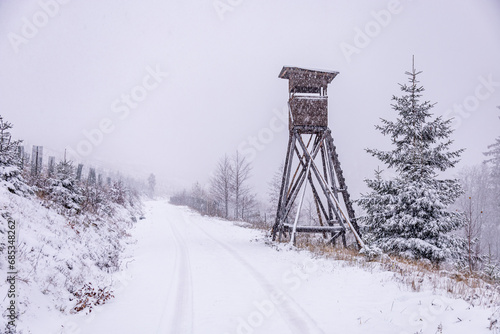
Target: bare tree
311	212
152	184
473	229
273	192
221	184
248	207
241	173
474	204
493	163
197	190
198	199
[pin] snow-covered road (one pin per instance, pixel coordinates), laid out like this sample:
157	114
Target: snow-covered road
192	274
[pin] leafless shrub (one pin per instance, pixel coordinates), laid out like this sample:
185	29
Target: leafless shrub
87	297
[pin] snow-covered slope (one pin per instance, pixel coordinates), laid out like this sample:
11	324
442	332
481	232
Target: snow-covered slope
56	257
193	274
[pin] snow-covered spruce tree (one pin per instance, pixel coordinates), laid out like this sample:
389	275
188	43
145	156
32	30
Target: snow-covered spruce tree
408	215
63	188
117	192
10	169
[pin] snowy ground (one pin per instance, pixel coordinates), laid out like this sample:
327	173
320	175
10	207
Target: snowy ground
56	256
192	274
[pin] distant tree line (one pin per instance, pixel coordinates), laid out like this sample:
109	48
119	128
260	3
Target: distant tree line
228	194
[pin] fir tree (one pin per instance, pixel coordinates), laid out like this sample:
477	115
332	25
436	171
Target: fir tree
408	215
9	158
63	188
118	192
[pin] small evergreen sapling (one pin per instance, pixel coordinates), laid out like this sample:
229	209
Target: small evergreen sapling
63	188
10	170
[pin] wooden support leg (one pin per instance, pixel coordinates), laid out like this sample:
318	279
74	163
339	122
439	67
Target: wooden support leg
284	185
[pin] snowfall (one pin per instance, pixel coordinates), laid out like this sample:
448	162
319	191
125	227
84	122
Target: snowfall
184	273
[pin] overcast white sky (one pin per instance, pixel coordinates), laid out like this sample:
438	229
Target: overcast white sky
68	68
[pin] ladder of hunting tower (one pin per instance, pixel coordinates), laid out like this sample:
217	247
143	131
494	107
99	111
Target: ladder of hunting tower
317	163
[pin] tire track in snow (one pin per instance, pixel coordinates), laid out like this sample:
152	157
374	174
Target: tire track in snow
295	317
179	306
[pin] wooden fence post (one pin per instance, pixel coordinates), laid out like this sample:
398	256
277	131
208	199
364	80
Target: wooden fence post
52	166
20	152
91	178
36	160
79	172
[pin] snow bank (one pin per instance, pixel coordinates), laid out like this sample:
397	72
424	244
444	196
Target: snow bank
57	256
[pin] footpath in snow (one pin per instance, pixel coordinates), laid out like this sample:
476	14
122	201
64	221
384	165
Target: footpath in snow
193	274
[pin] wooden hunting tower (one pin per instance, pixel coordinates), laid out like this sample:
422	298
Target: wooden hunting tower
317	164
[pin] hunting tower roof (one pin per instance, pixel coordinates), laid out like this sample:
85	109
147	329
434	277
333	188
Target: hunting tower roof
304	80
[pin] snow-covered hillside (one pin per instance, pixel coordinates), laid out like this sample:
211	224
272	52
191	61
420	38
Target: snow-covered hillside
58	257
193	274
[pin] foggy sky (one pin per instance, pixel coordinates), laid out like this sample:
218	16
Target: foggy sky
171	86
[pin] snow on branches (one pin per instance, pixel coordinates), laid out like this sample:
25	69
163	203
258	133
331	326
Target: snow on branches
408	215
9	158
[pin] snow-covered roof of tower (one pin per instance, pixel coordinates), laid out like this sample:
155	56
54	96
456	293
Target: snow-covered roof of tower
288	72
302	80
